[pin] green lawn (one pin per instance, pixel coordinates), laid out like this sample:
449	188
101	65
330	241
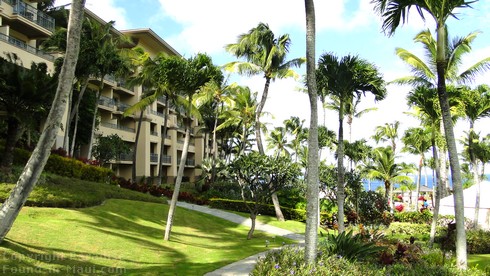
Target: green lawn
124	237
480	261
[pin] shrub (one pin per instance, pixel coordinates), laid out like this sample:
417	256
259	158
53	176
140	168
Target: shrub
478	241
372	205
414	217
349	246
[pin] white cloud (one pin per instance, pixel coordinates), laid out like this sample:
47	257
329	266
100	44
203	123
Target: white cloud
107	10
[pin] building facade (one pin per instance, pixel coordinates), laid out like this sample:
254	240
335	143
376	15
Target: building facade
23	28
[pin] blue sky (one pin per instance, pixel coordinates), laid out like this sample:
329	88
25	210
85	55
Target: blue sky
343	27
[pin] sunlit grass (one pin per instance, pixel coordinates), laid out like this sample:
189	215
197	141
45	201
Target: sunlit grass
124	236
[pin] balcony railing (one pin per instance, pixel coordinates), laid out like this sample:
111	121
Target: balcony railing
114	126
167	159
106	101
188	162
21	44
153	157
40	18
125	157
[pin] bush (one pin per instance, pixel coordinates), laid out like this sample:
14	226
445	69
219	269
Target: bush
349	246
372	205
478	241
414	217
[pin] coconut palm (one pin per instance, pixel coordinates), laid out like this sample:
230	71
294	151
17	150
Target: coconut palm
294	127
264	54
417	141
346	79
395	12
312	190
35	165
277	141
385	168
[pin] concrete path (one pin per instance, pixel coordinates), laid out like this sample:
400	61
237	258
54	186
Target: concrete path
245	266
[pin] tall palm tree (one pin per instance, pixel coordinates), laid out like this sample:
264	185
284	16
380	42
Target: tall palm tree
345	79
277	141
294	127
187	76
312	190
264	54
35	165
385	168
476	105
395	12
417	141
425	72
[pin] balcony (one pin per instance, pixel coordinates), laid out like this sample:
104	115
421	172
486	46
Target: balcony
22	45
166	159
20	15
153	157
114	126
106	101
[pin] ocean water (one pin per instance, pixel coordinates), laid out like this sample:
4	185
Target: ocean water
430	179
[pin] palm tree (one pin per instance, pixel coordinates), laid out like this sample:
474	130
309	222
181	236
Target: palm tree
346	79
476	105
188	76
264	54
294	127
417	141
217	96
312	189
241	114
396	11
387	132
277	141
384	168
35	165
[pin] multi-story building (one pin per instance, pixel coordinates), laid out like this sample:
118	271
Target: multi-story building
23	27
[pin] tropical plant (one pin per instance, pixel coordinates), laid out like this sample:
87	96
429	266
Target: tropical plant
187	76
385	169
264	54
109	147
346	79
35	165
395	12
349	246
25	96
387	133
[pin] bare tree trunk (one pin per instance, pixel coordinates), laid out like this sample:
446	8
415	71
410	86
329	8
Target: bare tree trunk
250	234
135	147
30	175
74	116
340	171
178	182
419	179
75	130
162	147
94	119
312	187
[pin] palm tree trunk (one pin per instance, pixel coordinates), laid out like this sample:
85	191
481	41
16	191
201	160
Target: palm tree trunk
461	254
94	120
340	170
258	113
75	129
312	187
135	146
66	140
74	115
443	166
178	182
439	188
35	165
162	143
419	178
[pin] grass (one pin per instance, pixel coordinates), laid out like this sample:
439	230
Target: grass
124	237
297	227
480	261
57	191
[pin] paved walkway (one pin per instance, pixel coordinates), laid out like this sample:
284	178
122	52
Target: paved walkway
245	266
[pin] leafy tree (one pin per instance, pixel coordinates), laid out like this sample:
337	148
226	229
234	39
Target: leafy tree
264	54
395	12
312	215
109	148
26	96
259	176
35	165
346	79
